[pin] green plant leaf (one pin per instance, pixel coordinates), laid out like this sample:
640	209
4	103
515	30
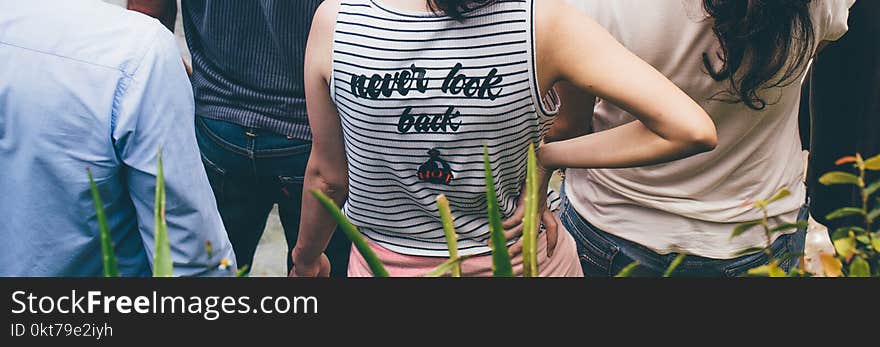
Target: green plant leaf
873	164
789	226
874	214
796	273
353	234
775	271
846	247
845	212
628	270
446	267
449	231
831	266
108	255
875	241
779	196
838	177
674	265
748	251
859	268
530	222
770	270
501	266
244	271
162	264
743	227
863	239
840	233
760	271
872	188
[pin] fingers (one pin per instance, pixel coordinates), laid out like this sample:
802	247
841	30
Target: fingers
514	233
551	229
516	218
325	266
516	249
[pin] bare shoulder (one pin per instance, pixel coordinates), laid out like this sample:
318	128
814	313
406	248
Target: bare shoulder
325	16
556	18
319	49
549	12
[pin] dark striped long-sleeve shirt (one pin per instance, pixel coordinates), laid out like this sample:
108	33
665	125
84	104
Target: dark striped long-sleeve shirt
248	61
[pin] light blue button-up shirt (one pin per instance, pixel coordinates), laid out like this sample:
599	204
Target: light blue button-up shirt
87	85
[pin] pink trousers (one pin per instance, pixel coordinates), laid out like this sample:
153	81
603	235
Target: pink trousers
563	263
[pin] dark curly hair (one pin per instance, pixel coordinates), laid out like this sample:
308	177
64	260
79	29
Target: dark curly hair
764	44
456	8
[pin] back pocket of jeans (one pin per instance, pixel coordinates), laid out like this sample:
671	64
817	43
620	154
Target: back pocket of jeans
595	252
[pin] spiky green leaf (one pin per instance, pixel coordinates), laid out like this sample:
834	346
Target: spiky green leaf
353	234
449	231
162	264
674	265
628	270
530	221
501	265
108	255
446	267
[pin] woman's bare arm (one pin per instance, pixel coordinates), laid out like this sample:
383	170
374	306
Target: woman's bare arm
575	49
327	170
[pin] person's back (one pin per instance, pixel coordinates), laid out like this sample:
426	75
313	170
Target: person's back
691	206
419	96
104	95
245	59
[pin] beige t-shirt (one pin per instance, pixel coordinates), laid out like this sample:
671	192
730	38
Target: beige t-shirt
692	205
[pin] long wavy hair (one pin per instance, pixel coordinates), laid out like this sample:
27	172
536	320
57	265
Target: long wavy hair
764	44
456	8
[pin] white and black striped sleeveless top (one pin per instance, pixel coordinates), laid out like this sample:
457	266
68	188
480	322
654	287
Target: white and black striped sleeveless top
418	96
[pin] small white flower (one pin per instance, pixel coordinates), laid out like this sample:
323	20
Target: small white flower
224	264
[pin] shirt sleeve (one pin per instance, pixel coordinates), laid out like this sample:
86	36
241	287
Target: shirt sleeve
154	109
833	17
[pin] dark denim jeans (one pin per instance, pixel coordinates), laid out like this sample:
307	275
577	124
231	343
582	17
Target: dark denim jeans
250	171
605	255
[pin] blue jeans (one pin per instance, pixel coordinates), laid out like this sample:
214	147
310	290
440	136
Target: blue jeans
605	255
250	171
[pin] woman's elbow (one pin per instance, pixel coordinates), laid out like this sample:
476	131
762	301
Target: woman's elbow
333	185
703	138
700	134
